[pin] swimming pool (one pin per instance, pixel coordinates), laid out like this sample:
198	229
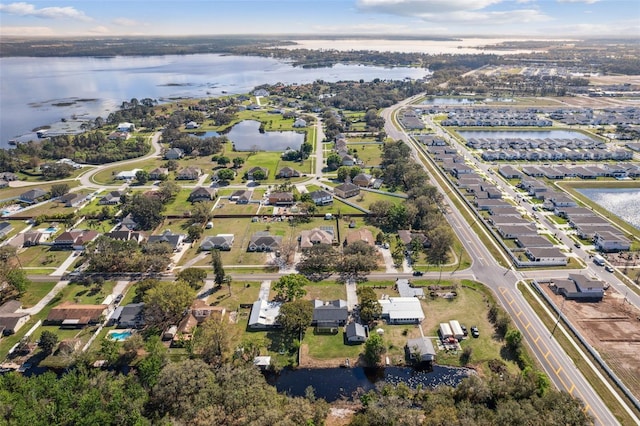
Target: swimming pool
120	336
51	229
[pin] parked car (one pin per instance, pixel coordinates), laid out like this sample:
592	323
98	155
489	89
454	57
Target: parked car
577	245
464	329
475	332
417	273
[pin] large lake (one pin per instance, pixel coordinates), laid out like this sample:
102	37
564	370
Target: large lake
40	91
624	203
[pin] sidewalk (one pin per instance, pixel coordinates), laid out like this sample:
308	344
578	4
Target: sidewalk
65	265
46	299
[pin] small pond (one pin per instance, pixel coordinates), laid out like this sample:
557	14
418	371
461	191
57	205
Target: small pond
335	383
246	136
209	134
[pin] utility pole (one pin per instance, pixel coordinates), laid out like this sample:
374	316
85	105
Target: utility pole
558	320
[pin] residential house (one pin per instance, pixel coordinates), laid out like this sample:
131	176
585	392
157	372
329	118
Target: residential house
174	154
126	127
112	198
127	174
346	190
202	193
72	315
241	196
323	235
130	316
168	237
510	172
72	199
189	173
5	228
288	172
321	197
74	240
281	199
128	223
252	170
328	316
8	176
348	160
126	235
402	310
299	123
410	239
31	239
113	136
516	231
260	92
548	256
191	125
32	196
421	349
10	319
608	241
222	242
198	312
533	241
356	333
362	234
158	173
263	241
263	315
578	287
363	180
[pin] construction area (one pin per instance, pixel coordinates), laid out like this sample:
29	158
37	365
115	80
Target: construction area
612	327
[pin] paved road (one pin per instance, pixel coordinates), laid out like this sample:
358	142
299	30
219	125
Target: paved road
319	148
502	282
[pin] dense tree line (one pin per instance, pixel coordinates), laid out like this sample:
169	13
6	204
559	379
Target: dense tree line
106	255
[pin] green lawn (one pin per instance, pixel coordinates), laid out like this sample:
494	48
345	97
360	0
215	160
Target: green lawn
42	256
15	192
330	346
35	292
370	153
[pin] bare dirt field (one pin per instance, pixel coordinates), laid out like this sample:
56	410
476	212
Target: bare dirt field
612	327
614	79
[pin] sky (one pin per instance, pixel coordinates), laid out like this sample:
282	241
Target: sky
533	18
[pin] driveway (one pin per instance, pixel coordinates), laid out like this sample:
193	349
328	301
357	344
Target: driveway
352	295
388	260
265	288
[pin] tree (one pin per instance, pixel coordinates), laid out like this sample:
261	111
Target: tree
374	348
291	287
201	212
318	262
218	268
194	232
167	191
370	308
142	177
359	258
48	341
166	302
59	189
223	161
213	341
238	162
513	338
333	161
343	173
259	175
441	239
172	165
295	317
193	276
225	175
146	211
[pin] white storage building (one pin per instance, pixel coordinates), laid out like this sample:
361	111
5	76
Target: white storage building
445	330
456	329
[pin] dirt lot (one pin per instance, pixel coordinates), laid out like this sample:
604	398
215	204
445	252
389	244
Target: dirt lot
612	327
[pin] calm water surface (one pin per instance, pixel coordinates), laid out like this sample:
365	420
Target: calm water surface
334	383
40	91
624	203
246	136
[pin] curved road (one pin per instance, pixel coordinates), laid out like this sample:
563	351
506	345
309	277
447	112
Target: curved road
558	366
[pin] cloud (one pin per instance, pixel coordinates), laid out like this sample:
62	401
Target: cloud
127	22
579	1
26	9
21	31
100	29
420	7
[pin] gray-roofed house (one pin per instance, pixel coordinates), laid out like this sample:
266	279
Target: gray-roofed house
548	256
111	199
533	241
421	349
281	199
608	241
202	193
5	228
168	237
263	315
252	170
288	172
158	173
363	180
321	197
402	310
32	196
125	235
222	242
316	236
11	320
355	332
174	154
328	316
346	190
128	222
189	173
578	287
241	196
263	241
72	199
131	316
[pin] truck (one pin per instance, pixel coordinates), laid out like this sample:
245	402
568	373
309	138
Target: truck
598	260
